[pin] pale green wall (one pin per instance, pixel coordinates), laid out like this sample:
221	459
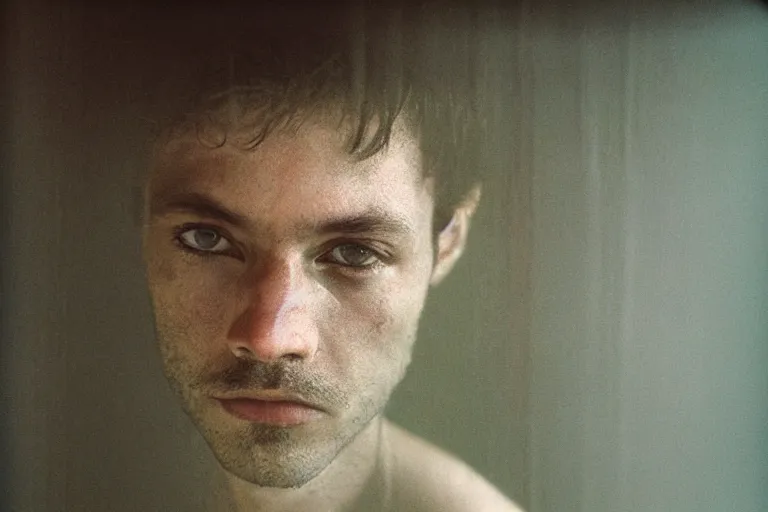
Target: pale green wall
649	338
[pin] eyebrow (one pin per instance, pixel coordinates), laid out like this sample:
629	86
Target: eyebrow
373	220
196	203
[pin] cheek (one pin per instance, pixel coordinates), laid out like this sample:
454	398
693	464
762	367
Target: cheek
190	305
370	338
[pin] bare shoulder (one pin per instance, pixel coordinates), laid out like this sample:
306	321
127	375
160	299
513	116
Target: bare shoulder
426	478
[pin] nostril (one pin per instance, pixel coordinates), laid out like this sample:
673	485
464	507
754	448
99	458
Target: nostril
245	353
242	353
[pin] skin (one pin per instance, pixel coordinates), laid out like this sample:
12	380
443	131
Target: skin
294	271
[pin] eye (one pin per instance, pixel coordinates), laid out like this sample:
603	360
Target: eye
354	255
203	239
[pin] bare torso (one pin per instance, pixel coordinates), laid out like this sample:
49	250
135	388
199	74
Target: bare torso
424	478
408	474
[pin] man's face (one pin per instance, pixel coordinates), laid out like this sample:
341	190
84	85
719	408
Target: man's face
287	284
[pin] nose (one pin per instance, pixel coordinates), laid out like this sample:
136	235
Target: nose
278	322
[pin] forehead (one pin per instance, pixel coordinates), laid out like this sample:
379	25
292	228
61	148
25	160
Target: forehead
305	171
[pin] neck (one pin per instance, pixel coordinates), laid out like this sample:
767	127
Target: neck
336	488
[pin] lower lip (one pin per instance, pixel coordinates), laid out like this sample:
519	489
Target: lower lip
270	413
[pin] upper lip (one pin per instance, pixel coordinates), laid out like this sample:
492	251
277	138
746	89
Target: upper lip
270	396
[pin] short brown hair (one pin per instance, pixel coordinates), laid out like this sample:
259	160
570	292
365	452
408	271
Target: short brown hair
375	63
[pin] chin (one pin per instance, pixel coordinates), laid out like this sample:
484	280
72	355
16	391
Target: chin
275	477
273	456
277	459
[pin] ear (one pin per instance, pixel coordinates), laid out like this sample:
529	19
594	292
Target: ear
453	238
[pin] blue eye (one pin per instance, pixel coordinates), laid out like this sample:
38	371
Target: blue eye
204	239
354	255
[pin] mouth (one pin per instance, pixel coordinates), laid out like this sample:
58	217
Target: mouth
271	409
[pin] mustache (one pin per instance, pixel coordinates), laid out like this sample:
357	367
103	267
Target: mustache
244	375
